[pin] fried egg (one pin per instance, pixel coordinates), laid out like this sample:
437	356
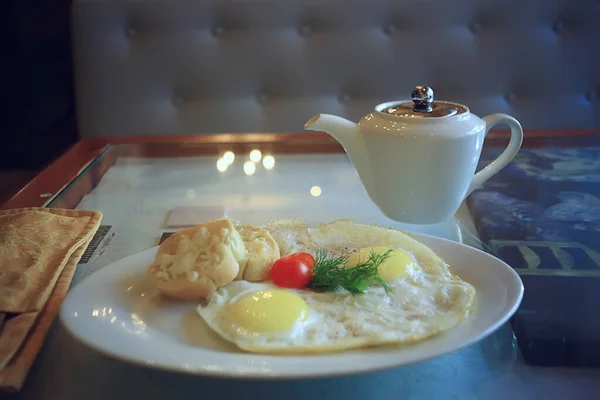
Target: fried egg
423	298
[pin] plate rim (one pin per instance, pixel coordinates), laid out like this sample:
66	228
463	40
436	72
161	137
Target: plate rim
305	374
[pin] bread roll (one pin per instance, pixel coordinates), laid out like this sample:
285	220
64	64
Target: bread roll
193	262
261	252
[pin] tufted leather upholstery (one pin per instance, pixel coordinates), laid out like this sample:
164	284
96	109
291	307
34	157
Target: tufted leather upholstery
188	67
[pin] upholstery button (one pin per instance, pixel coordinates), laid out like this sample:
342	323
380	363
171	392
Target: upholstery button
509	97
218	31
345	98
178	101
475	27
389	29
262	98
591	95
304	30
558	27
131	33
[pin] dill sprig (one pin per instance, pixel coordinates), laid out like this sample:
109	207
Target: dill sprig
331	274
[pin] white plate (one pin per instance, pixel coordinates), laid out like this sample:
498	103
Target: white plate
117	312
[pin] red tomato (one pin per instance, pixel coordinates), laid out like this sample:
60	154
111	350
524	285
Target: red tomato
306	258
291	272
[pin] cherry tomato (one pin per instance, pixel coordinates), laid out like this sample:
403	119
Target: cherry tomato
291	272
307	258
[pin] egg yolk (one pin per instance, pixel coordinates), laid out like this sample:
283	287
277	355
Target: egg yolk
268	310
394	267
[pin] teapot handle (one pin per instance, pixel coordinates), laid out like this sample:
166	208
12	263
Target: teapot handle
516	139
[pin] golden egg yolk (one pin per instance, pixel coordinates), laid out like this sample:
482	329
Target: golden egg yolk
268	310
394	267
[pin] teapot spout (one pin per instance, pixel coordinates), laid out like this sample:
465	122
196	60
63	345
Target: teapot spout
346	132
349	135
331	124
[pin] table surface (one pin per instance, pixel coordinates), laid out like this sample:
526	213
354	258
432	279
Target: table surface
137	182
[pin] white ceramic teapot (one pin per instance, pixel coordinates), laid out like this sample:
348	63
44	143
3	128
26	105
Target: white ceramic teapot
417	159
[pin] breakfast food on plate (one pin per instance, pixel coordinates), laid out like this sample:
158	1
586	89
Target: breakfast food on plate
339	286
291	288
193	262
261	252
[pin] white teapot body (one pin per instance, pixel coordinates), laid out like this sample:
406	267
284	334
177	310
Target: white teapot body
416	165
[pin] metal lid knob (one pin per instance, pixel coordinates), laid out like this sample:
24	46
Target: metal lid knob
423	106
422	97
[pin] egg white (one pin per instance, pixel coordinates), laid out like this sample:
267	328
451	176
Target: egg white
419	304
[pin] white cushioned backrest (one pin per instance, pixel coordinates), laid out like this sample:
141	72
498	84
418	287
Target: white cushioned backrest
190	67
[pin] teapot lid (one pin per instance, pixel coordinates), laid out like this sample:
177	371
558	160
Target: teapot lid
423	106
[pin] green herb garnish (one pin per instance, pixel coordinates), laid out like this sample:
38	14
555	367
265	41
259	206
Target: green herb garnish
331	274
